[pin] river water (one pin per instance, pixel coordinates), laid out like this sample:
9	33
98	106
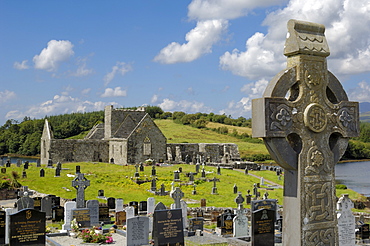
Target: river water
355	175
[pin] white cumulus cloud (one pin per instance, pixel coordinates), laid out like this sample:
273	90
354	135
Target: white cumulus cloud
120	68
184	105
56	52
21	65
116	92
360	93
199	42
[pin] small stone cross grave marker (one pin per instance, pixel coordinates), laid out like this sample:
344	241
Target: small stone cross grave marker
305	119
177	195
80	183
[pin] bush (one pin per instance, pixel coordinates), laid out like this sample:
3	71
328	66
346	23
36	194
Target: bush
341	187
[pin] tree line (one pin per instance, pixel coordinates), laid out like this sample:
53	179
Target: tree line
24	137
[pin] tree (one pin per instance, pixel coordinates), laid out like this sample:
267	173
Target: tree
154	111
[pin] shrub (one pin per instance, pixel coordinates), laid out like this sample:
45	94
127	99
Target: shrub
341	187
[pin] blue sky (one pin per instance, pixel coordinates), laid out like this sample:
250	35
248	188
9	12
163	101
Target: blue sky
194	56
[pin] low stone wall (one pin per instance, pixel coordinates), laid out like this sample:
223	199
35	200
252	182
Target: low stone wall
6	194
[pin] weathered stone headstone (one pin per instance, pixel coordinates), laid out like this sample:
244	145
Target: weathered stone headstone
119	204
153	186
151	205
3	170
346	221
25	201
57	172
154	172
19	162
141	167
27	227
176	175
137	231
214	188
177	195
80	183
120	218
38	163
46	206
240	221
235	189
218	170
111	202
68	207
93	205
248	197
306	133
130	212
137	174
2	227
203	202
24	174
194	191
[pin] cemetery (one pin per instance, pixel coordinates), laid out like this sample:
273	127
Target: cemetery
192	200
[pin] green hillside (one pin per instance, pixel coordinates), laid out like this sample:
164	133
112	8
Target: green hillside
177	133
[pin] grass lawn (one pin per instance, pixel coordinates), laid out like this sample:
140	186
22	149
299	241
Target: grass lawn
116	182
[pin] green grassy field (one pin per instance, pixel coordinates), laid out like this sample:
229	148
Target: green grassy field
116	181
176	133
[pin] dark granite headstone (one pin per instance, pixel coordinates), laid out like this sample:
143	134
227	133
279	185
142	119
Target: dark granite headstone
26	164
37	203
3	170
42	172
78	169
50	163
100	193
57	213
2	227
8	164
196	224
269	204
104	214
226	223
263	230
143	207
24	174
111	201
27	227
55	200
57	172
363	231
168	228
82	216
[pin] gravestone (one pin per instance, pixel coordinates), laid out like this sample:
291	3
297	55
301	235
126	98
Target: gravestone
59	165
306	133
248	197
2	227
167	227
26	165
7	164
57	172
27	227
141	167
176	175
120	218
104	214
203	202
78	169
346	221
25	201
143	207
46	206
194	191
68	207
151	205
119	204
130	212
154	172
225	223
177	195
80	183
38	163
93	205
240	221
111	202
135	205
218	170
82	216
263	227
162	190
19	162
137	231
196	224
42	173
191	177
137	174
197	167
57	213
3	170
24	174
153	186
235	189
37	203
8	212
101	193
203	173
214	188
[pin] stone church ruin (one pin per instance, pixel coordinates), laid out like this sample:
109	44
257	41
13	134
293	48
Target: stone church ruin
129	137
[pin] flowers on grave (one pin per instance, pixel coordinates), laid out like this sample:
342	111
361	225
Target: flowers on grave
74	225
90	236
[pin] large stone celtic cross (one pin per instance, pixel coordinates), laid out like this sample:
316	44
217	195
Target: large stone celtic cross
305	120
80	183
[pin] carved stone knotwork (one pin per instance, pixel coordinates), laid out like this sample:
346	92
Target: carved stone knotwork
306	133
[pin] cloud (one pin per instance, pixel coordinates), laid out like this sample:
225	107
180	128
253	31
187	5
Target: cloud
154	98
257	61
360	93
82	70
244	105
116	92
6	95
199	42
349	47
184	105
55	53
21	66
120	68
86	91
60	104
226	9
